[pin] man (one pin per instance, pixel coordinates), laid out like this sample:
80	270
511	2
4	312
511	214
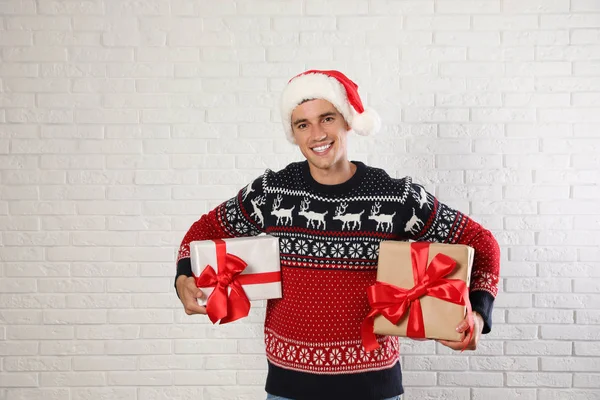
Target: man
336	214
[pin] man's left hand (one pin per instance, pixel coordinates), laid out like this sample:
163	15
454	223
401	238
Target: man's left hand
463	327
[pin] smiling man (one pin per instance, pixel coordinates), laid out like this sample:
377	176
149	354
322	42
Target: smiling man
329	247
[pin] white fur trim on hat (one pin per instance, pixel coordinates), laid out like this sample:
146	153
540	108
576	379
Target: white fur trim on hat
320	86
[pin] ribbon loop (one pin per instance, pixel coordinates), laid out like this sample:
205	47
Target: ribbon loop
392	302
228	301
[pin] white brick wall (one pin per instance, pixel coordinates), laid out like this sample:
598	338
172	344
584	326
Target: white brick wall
123	121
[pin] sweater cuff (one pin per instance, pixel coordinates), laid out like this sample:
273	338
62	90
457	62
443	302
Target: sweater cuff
184	267
483	303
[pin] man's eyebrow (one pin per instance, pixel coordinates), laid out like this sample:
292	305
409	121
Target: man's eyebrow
327	114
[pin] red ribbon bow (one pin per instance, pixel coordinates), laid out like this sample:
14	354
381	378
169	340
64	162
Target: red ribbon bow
392	302
224	306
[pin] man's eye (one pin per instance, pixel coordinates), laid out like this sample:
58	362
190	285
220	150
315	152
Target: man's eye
328	119
302	126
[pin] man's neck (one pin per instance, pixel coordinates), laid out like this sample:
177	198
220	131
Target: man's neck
335	176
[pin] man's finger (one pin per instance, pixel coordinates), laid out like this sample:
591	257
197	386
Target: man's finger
192	307
462	326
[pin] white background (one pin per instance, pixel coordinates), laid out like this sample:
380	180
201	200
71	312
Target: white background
124	121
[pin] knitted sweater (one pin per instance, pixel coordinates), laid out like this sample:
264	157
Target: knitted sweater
329	238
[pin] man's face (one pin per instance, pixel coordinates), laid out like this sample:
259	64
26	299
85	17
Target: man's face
320	132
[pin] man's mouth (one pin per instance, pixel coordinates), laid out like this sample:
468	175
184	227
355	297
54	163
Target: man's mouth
322	149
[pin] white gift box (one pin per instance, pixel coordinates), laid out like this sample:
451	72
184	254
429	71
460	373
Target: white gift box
261	253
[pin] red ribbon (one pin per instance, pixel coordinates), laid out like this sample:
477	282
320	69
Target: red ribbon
235	305
392	302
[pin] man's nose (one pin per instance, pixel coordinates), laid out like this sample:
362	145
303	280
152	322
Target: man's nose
317	133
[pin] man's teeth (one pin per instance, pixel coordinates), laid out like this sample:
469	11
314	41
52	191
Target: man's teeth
322	148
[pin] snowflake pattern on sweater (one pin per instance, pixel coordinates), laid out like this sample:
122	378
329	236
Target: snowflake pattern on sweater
329	240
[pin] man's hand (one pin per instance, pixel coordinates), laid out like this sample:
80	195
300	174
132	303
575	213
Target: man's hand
188	294
463	327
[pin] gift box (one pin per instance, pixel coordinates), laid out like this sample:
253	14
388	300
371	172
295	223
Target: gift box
421	291
232	272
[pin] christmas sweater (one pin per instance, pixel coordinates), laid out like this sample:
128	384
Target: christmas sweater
329	238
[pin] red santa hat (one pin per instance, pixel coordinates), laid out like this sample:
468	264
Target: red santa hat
337	89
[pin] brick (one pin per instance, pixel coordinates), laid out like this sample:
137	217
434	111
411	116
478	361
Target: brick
570	145
167	54
540	316
18	348
538	222
587	349
104	363
467	38
73	132
72	193
304	23
518	269
14	364
468	99
437	393
503	363
538	129
504	22
16	100
539	348
135	223
437	22
587	115
537	192
171	362
21	317
76	285
584	36
47	116
581	176
497	53
567	394
582	380
587	99
537	100
536	6
590	285
433	53
107	116
207	378
542	254
12	162
36	301
566	53
249	362
475	379
582	332
586	161
22	7
42	208
569	301
107	332
537	37
40	239
19	70
140	285
93	301
570	364
138	378
140	317
559	207
96	85
109	208
587	222
68	348
69	7
38	394
204	346
503	393
138	347
399	38
537	379
166	393
73	223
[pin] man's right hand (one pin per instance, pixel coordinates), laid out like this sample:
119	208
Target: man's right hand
189	295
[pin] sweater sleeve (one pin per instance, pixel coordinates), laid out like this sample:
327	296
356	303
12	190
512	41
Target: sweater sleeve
442	224
242	215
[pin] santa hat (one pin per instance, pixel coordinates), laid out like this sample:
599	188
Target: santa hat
337	89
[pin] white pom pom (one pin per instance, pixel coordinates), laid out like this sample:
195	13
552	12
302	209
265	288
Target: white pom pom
367	123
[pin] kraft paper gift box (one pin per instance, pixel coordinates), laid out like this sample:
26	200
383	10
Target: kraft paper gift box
251	263
439	317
